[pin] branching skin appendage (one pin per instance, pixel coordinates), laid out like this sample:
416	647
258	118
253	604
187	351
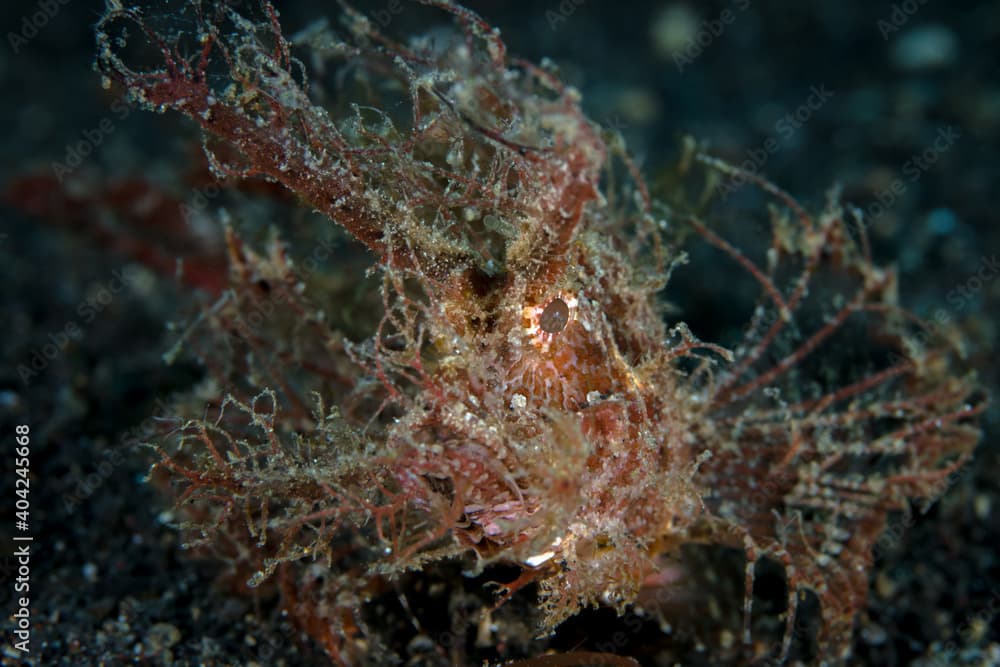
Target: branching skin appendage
523	399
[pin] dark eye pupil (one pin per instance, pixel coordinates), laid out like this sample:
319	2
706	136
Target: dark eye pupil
554	317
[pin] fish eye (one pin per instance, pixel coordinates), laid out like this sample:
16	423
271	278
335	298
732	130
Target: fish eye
554	317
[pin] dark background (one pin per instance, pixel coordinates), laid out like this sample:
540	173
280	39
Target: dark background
108	577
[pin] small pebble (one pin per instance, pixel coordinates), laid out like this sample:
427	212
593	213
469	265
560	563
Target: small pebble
884	585
983	504
10	400
162	636
942	221
928	46
673	30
